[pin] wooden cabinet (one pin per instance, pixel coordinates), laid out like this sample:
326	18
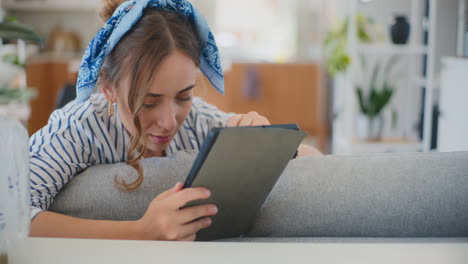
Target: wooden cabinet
283	93
47	76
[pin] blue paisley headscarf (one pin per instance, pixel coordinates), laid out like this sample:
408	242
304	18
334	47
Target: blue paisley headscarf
123	19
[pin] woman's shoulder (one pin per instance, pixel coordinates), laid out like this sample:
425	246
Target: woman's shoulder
77	117
202	109
206	113
95	105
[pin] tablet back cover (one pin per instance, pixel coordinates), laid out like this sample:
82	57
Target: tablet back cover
241	168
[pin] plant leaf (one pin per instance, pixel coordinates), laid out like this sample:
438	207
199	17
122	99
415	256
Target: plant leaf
394	118
16	94
362	104
383	98
371	102
375	73
14	31
361	22
337	59
12	58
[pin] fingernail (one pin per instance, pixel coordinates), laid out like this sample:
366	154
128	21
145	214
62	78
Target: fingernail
213	209
208	193
207	221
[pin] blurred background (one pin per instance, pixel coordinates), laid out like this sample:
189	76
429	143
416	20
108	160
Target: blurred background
360	76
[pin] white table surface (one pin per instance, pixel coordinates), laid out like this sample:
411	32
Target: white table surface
70	251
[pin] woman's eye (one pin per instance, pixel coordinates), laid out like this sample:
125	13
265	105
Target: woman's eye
150	105
184	99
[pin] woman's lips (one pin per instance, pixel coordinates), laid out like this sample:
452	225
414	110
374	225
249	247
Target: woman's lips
160	139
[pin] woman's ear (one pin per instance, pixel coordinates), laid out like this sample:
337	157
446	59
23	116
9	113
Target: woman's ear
108	91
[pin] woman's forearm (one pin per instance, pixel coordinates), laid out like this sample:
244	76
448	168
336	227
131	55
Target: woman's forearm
49	224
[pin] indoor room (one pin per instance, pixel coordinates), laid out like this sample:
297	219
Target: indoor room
314	124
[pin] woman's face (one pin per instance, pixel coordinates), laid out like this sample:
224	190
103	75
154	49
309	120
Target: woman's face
165	106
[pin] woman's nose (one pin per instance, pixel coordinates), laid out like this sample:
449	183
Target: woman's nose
167	119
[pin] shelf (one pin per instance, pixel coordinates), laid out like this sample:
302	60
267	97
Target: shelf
421	82
424	83
391	49
52	57
387	141
385	146
50	6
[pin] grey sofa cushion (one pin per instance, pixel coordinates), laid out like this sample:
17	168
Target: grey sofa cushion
93	194
387	195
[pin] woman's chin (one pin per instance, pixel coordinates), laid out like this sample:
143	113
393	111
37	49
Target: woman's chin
156	150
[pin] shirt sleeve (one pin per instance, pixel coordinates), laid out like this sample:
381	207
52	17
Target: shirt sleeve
210	114
201	119
57	152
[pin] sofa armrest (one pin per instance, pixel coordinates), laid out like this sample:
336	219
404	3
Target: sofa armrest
387	195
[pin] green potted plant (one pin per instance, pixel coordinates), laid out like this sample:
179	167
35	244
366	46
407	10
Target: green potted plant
336	41
12	30
13	89
372	103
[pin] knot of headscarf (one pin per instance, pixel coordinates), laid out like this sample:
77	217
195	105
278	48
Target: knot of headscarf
123	20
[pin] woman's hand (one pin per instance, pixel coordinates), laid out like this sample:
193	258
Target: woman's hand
305	150
164	220
254	119
249	119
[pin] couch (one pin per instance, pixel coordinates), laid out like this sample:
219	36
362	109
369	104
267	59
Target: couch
359	198
388	208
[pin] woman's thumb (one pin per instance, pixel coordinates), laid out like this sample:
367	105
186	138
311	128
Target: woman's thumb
177	187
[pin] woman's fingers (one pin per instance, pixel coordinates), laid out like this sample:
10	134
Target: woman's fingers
194	212
233	121
249	119
246	120
261	121
189	238
190	229
169	192
164	220
258	120
181	198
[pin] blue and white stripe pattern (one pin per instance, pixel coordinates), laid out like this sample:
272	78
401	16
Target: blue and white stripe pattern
81	135
122	21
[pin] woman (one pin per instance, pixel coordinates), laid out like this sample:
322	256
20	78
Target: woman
143	66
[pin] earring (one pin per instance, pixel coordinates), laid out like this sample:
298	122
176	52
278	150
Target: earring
111	109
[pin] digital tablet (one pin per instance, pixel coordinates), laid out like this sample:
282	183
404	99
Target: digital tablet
240	166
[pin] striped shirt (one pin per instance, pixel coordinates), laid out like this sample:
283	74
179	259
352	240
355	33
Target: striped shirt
82	135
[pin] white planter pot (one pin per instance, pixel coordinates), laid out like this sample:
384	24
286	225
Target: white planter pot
17	111
369	128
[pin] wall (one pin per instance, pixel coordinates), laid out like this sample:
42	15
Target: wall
1	10
252	36
446	28
85	23
297	36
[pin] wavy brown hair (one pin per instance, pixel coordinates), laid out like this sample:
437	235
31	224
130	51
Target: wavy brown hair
137	56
